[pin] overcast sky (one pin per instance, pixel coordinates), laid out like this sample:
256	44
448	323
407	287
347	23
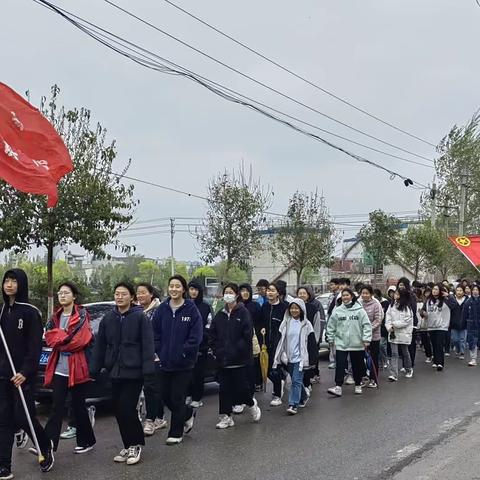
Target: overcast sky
414	63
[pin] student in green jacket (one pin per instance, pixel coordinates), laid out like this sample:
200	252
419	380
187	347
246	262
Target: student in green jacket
350	331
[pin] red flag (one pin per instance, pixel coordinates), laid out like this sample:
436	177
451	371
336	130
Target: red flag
33	157
470	247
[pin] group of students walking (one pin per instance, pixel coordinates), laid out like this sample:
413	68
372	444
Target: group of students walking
163	347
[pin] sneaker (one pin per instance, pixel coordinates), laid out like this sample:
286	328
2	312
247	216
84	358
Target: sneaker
149	427
332	366
335	391
439	368
238	409
188	400
409	373
122	456
255	411
160	423
316	379
447	354
461	357
91	415
403	370
258	388
392	378
349	380
291	410
472	363
428	360
226	421
434	365
5	474
372	384
21	439
365	381
49	459
303	403
174	440
187	427
358	390
80	450
276	402
195	404
134	454
70	432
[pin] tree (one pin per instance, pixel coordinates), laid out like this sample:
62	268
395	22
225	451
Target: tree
94	206
422	248
233	273
380	238
305	239
236	205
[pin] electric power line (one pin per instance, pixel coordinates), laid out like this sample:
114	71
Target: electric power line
207	84
258	82
300	77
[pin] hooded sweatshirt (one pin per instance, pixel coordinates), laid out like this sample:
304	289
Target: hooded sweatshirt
22	326
315	312
349	327
457	319
300	349
375	314
438	317
205	312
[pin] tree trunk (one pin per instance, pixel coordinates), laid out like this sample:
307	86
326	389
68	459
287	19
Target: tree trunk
299	277
50	279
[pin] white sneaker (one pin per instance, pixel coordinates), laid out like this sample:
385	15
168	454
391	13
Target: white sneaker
238	409
335	391
434	365
122	456
372	384
134	454
195	404
461	357
428	360
332	366
403	370
472	363
149	427
358	389
187	427
255	411
439	368
174	440
276	402
349	380
160	423
447	354
409	373
393	378
226	421
80	450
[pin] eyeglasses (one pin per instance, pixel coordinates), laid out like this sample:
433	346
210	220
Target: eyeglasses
64	293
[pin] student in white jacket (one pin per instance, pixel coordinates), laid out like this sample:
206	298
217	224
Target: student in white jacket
399	325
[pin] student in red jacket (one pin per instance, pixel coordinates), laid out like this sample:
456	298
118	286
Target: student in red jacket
68	334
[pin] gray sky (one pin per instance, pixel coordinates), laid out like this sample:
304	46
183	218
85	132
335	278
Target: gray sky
413	63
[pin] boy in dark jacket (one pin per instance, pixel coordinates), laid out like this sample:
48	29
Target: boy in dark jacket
21	325
231	341
195	292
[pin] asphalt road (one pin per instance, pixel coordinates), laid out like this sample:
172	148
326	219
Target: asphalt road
373	436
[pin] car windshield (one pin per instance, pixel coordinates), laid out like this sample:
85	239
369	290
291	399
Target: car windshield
96	314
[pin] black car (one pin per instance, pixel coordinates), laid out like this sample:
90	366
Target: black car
101	389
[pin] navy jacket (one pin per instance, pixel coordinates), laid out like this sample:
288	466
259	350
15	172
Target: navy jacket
457	320
471	314
22	326
177	335
231	337
124	345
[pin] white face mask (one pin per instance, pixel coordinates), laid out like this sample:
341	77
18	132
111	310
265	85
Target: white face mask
229	297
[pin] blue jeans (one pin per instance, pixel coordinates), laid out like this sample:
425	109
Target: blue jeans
297	392
457	340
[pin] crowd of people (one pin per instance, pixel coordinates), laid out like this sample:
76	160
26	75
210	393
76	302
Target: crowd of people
162	348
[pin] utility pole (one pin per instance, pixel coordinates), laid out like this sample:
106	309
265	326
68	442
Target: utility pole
433	196
172	234
463	200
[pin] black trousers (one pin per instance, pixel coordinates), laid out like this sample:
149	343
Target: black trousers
427	344
357	359
12	418
85	436
153	395
374	350
235	389
448	338
174	386
412	348
438	345
125	396
197	387
275	375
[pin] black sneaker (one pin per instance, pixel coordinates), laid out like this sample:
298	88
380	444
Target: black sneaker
21	439
5	473
49	459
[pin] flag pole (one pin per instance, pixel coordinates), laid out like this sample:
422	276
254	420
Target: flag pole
41	458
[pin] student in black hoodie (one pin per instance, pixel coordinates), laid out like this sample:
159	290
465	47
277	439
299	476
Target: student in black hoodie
231	341
21	324
124	347
195	292
272	316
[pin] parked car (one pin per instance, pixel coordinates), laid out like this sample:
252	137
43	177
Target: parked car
101	389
